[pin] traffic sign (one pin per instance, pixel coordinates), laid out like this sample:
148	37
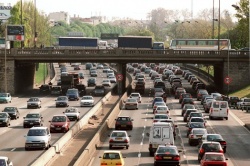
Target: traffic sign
227	80
119	77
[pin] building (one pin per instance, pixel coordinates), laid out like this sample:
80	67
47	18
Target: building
59	16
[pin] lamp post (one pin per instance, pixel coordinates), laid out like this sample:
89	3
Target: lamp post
219	28
5	63
35	33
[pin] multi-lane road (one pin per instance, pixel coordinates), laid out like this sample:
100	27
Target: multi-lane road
12	138
233	132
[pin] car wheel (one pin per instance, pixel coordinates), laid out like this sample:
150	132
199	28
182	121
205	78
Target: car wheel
226	118
127	147
225	150
110	146
151	153
26	149
131	128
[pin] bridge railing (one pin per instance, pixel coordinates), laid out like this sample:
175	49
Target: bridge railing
117	52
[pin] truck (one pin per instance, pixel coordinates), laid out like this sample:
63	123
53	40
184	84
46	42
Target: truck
67	82
136	42
244	104
78	42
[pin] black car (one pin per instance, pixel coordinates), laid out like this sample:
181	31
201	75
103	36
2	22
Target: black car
167	155
91	82
123	122
45	89
99	90
4	119
192	125
12	111
32	119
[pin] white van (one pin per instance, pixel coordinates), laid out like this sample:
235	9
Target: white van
219	109
102	44
161	133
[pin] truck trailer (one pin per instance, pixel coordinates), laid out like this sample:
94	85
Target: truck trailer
78	42
137	42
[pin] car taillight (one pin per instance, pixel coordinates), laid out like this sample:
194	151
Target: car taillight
223	142
157	157
155	120
190	129
176	158
211	110
192	136
111	140
202	151
126	140
227	111
117	123
103	164
129	123
118	164
221	151
199	94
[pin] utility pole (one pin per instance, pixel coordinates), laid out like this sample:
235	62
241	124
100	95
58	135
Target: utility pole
35	33
219	28
213	22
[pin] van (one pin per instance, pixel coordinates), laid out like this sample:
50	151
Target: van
161	133
219	109
73	94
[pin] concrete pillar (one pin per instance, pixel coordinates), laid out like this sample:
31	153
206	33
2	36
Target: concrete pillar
10	75
121	73
218	77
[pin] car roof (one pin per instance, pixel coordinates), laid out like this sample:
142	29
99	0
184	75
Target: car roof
36	127
210	142
4	157
112	151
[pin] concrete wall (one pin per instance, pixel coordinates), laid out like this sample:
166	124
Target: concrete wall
10	75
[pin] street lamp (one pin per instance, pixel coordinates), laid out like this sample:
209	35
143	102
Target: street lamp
35	33
219	28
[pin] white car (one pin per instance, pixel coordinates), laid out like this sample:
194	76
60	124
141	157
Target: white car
137	96
162	110
72	113
5	161
119	138
106	82
87	101
112	79
159	117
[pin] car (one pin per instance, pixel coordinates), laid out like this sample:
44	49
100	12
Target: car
119	138
62	101
123	122
211	158
158	117
59	123
87	101
140	87
200	93
161	94
209	146
73	94
77	67
219	109
196	119
131	103
157	99
162	110
185	107
200	86
178	92
112	158
137	96
99	90
81	75
12	111
5	161
187	101
38	138
214	138
188	111
105	69
160	84
106	82
5	119
194	114
45	89
167	155
112	79
5	98
192	125
56	90
72	113
34	102
93	73
88	66
91	82
184	95
32	119
205	97
99	66
156	104
195	135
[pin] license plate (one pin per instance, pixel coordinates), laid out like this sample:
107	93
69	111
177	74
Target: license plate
35	144
167	157
31	123
58	128
118	138
123	125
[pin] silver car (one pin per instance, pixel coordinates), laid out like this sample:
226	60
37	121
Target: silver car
34	102
131	103
119	138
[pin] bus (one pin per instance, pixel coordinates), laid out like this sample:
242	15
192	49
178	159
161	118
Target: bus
199	44
2	43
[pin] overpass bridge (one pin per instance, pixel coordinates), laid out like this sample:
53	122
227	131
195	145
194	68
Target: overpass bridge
20	63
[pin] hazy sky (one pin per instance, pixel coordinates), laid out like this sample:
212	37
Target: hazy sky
136	9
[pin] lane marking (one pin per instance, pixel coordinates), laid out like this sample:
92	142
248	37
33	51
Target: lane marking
13	149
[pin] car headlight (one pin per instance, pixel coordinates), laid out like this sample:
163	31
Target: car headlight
52	125
64	125
37	120
42	141
26	121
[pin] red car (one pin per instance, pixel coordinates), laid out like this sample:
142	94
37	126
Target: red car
211	158
59	123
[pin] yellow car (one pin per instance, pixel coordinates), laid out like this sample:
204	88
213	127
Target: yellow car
112	158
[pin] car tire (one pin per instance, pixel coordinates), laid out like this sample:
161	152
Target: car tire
26	149
226	118
225	150
127	147
110	146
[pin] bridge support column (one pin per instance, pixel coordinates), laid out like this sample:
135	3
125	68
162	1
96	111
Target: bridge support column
10	75
218	77
121	84
239	73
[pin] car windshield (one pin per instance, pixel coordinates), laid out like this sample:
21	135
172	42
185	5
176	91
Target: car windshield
131	100
71	110
214	138
9	109
214	157
2	162
199	131
210	147
61	98
161	117
32	116
123	119
111	156
3	94
86	98
118	134
197	120
196	125
33	99
3	115
37	132
167	150
59	119
71	92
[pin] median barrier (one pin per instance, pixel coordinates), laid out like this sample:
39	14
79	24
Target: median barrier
86	156
58	145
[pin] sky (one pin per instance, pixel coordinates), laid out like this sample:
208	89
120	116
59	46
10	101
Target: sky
135	9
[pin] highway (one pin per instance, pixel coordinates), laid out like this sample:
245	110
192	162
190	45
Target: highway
12	138
233	132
